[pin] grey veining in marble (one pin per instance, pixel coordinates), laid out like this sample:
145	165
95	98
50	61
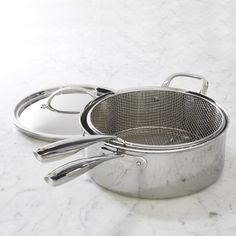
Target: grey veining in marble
116	44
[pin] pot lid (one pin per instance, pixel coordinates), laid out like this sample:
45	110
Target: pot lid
49	116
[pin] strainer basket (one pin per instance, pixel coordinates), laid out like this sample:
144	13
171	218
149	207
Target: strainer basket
158	118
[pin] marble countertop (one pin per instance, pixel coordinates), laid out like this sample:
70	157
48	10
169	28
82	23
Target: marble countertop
116	44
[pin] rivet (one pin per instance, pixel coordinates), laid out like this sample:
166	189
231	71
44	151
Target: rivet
138	163
44	106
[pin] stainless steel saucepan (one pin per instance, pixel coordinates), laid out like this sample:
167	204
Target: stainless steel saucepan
157	142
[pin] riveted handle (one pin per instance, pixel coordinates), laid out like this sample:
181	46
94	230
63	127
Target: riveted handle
73	169
203	91
68	90
66	147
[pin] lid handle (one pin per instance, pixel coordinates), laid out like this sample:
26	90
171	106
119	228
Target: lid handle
68	90
203	91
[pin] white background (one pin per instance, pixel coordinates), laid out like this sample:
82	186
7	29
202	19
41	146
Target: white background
117	44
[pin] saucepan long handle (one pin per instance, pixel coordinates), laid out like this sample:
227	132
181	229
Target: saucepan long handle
75	168
69	146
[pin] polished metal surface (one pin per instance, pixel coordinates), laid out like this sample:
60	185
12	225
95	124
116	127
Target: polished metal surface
163	174
168	172
75	168
31	117
66	90
204	89
157	118
62	148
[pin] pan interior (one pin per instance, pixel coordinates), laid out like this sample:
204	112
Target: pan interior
157	117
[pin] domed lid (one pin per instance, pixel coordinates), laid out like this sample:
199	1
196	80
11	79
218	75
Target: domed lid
49	116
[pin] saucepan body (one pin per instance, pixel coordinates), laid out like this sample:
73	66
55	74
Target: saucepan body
160	174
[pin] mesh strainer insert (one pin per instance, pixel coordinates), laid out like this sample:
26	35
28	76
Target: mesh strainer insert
157	118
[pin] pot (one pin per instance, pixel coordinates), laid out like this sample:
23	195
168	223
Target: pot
144	171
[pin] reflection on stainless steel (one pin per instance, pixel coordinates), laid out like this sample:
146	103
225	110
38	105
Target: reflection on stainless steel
74	169
78	167
158	118
31	117
68	146
174	166
204	89
66	90
168	173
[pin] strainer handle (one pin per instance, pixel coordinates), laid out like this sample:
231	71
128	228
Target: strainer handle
66	147
68	90
203	91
